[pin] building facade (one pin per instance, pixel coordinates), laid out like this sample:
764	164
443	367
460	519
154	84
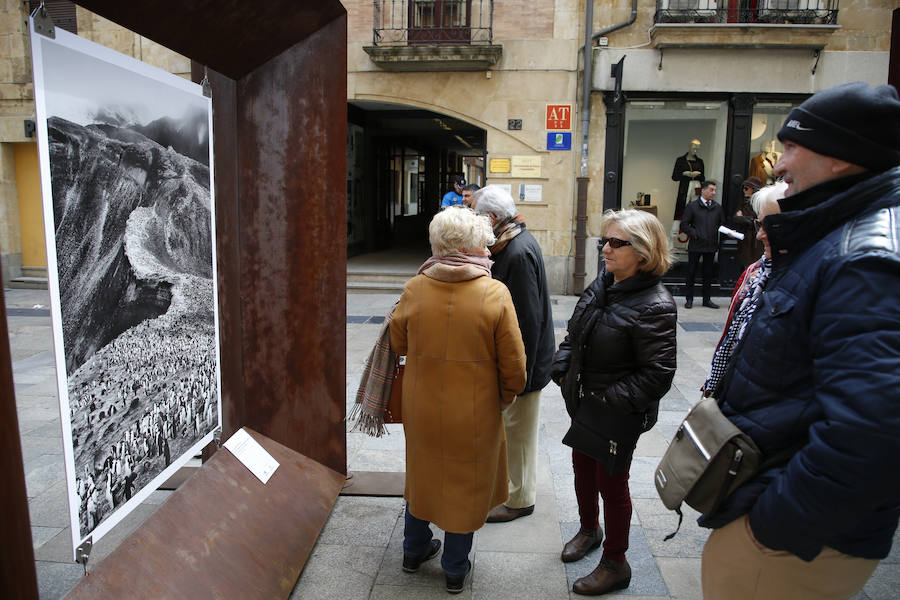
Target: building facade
663	73
22	252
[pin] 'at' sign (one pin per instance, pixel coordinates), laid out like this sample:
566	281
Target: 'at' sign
559	116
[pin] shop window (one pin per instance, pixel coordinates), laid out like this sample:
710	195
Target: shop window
659	138
765	149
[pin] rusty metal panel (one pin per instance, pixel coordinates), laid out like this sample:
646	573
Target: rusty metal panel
292	127
233	37
17	574
223	534
281	273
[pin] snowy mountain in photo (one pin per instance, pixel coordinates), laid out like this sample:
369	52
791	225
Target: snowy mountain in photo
133	232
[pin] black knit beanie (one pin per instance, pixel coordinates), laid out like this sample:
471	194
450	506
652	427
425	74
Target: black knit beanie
852	122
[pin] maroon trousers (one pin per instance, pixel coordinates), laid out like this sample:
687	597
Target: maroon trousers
593	480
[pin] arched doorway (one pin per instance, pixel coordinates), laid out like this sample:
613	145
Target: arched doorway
400	162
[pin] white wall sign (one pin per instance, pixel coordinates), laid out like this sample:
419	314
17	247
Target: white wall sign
531	192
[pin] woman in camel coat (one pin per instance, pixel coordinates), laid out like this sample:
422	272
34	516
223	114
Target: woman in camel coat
465	363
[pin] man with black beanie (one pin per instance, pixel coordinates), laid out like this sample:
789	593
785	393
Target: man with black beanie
816	376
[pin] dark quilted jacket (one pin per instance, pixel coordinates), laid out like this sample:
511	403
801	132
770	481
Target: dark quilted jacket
820	361
617	361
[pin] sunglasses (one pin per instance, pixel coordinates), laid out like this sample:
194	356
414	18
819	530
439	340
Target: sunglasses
613	242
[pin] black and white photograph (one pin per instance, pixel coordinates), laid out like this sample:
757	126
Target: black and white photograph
125	155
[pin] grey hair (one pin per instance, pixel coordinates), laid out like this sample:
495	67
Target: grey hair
456	228
494	199
766	195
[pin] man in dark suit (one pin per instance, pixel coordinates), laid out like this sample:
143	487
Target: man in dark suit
701	220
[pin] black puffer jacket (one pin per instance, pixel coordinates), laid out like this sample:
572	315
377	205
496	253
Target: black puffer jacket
617	361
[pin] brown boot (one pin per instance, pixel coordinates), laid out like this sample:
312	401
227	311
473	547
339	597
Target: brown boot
608	576
583	542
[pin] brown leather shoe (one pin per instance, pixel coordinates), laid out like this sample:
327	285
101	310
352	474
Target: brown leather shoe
583	542
503	513
608	576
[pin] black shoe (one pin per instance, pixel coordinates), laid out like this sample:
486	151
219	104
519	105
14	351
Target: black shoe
456	584
411	564
710	304
689	303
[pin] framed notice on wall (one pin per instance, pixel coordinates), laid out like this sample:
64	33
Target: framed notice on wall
526	166
125	155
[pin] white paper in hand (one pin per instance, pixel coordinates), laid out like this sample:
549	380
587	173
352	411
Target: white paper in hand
248	451
731	232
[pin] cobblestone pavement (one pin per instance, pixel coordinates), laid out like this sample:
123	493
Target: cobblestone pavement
358	554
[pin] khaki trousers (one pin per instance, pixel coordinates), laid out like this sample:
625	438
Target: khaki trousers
737	567
521	421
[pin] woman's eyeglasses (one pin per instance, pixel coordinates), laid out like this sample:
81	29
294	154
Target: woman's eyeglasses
613	242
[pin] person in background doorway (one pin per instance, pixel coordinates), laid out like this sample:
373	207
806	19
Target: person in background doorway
701	220
519	263
467	194
749	249
615	364
465	364
454	197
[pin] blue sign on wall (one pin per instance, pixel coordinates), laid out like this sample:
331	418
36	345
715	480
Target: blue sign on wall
559	140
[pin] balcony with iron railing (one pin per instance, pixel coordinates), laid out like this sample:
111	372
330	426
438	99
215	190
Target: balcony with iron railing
744	23
821	12
430	35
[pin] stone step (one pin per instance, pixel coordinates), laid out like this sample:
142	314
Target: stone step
373	287
379	277
40	272
28	283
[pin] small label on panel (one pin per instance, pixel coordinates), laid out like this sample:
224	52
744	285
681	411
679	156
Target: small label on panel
252	455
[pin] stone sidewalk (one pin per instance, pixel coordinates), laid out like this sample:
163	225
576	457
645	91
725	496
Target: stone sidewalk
358	554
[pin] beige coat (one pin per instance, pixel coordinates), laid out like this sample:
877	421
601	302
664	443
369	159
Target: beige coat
465	358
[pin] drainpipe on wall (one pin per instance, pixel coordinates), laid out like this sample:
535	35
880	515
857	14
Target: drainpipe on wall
583	180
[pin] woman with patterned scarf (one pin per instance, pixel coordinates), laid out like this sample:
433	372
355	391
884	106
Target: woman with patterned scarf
465	363
748	290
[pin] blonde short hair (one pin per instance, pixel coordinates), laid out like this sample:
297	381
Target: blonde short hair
647	237
458	227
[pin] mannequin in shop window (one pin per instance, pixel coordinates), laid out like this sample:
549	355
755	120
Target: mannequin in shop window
688	172
762	166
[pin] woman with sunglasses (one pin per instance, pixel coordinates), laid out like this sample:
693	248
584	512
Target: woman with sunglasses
615	364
